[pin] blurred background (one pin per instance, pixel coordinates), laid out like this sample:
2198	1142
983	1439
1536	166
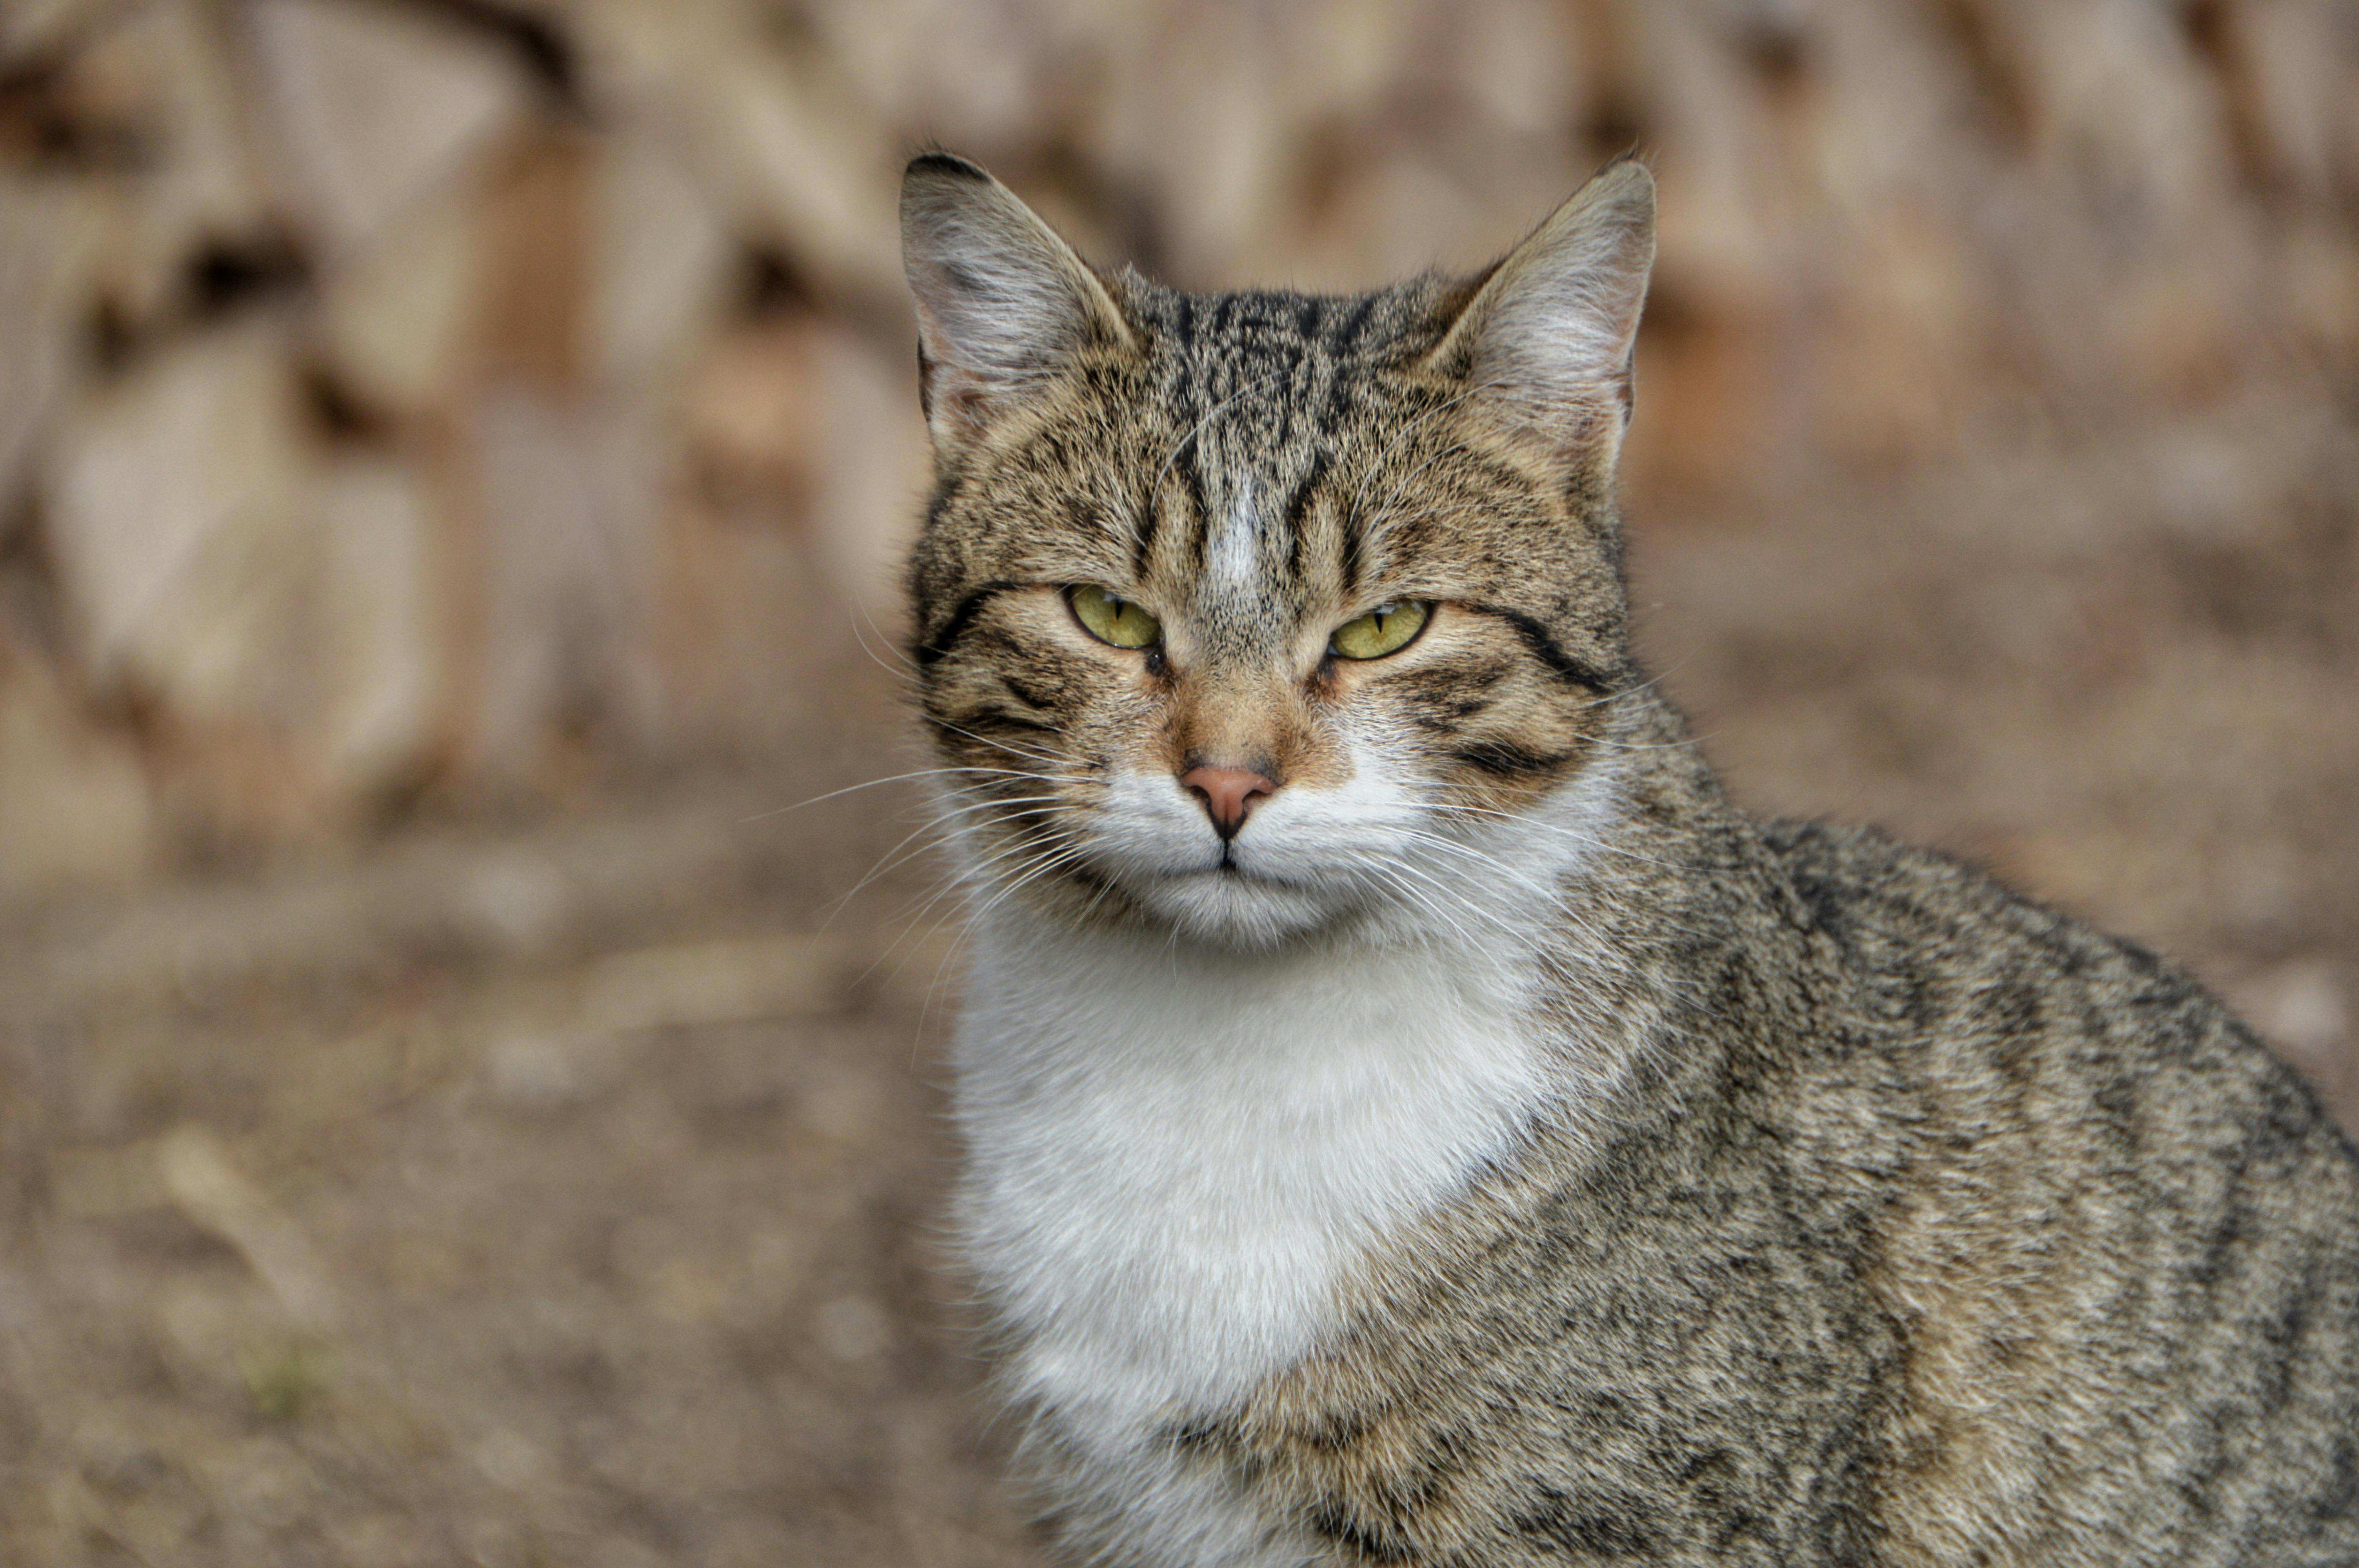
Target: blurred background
453	460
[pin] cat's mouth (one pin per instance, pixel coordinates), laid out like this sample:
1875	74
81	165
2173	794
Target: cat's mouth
1291	871
1231	903
1231	869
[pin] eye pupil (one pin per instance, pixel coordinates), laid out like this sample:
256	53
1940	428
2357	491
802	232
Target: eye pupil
1386	629
1110	618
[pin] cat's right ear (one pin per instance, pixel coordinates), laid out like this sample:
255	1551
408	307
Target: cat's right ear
1547	339
1002	301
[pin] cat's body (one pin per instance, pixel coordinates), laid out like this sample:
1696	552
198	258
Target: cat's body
1412	1117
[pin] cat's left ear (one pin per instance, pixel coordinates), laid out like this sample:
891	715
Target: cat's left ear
1547	339
1002	303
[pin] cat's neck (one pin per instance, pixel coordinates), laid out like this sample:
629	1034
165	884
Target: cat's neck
1175	1154
1178	1153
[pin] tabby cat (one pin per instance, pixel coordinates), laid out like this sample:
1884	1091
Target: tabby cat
1412	1117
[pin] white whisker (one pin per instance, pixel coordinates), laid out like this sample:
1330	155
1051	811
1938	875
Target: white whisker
873	783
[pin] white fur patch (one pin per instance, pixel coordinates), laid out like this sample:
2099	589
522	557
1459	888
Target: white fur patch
1180	1146
1234	561
1175	1152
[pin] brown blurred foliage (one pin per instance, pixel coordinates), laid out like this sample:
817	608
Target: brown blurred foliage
445	397
453	455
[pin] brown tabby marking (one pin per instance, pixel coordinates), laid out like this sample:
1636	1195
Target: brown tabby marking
1372	477
1901	1221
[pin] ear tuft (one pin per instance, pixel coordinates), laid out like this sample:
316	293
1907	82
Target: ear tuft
947	164
1547	339
1002	301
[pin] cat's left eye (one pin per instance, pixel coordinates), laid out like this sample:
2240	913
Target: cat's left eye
1111	619
1386	629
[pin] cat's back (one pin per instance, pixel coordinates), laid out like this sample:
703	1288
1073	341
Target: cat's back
2121	1242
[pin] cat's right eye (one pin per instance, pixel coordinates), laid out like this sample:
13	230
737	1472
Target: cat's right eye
1112	619
1386	629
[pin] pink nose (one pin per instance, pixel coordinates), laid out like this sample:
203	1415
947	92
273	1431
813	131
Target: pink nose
1227	794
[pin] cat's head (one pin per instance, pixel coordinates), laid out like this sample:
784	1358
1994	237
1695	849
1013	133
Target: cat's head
1253	614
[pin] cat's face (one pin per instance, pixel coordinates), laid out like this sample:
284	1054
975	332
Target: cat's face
1251	615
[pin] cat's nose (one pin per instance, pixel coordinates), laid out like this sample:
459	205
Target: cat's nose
1227	794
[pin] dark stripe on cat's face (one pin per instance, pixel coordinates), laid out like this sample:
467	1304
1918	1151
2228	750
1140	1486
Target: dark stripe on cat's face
1543	645
1298	507
1504	759
942	640
1199	509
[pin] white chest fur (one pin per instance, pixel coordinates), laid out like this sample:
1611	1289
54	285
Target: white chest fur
1174	1154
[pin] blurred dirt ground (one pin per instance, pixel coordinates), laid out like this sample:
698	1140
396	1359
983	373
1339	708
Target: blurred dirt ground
562	1190
510	1195
451	453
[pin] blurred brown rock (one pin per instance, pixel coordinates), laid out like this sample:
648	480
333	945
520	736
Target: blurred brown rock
568	507
396	322
372	107
473	440
175	504
270	604
178	172
45	244
74	803
412	400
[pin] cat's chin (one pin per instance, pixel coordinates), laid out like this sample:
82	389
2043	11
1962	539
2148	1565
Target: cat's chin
1227	908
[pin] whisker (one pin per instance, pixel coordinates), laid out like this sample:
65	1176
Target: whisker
1013	749
893	858
1031	874
1588	841
1442	887
907	674
962	879
960	874
1538	882
909	665
873	783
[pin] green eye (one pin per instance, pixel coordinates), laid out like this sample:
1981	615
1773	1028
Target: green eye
1113	619
1386	629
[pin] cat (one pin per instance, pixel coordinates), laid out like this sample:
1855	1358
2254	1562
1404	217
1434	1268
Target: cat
1411	1116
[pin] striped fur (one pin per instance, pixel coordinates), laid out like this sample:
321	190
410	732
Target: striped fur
1502	1149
